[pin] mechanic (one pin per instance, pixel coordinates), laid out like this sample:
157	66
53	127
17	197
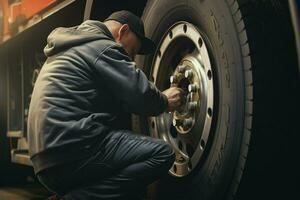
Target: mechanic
80	141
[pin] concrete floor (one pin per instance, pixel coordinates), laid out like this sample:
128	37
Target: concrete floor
32	191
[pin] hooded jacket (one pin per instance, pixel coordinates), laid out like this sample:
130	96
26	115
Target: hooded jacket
87	87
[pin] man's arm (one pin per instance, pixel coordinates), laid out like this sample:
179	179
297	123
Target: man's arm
128	83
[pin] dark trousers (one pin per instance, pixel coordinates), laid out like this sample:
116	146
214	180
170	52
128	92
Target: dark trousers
121	169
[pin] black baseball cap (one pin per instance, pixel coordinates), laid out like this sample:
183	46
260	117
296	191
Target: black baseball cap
136	25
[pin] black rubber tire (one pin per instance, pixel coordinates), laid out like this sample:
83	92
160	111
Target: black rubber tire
247	66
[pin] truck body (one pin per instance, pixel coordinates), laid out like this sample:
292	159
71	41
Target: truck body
16	14
19	20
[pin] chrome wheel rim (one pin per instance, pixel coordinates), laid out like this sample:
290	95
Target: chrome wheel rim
183	56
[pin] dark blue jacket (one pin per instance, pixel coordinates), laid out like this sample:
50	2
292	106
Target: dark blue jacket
87	87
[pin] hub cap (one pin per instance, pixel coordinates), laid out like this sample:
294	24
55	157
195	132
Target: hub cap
183	56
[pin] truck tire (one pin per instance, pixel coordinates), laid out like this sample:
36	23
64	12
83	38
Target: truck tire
241	60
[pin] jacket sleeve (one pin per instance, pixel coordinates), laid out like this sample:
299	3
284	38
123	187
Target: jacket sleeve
129	84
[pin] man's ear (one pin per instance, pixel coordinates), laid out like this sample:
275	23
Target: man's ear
123	30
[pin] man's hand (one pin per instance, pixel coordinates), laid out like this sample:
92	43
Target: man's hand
175	98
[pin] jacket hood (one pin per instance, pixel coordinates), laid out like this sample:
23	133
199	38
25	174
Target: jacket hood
63	38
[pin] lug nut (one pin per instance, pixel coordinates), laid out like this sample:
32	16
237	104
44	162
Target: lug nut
173	79
192	105
188	122
193	88
181	68
177	122
188	74
184	123
190	96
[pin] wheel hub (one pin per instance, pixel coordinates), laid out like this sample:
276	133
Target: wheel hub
187	77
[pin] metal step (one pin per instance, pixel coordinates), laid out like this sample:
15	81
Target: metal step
21	156
15	134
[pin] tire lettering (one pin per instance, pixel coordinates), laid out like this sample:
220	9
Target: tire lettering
221	45
218	163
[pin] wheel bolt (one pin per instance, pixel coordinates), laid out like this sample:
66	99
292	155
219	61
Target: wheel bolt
173	79
193	88
188	74
183	122
177	122
188	122
181	68
192	105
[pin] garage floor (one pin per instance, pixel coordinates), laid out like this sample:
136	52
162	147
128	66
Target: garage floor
32	191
